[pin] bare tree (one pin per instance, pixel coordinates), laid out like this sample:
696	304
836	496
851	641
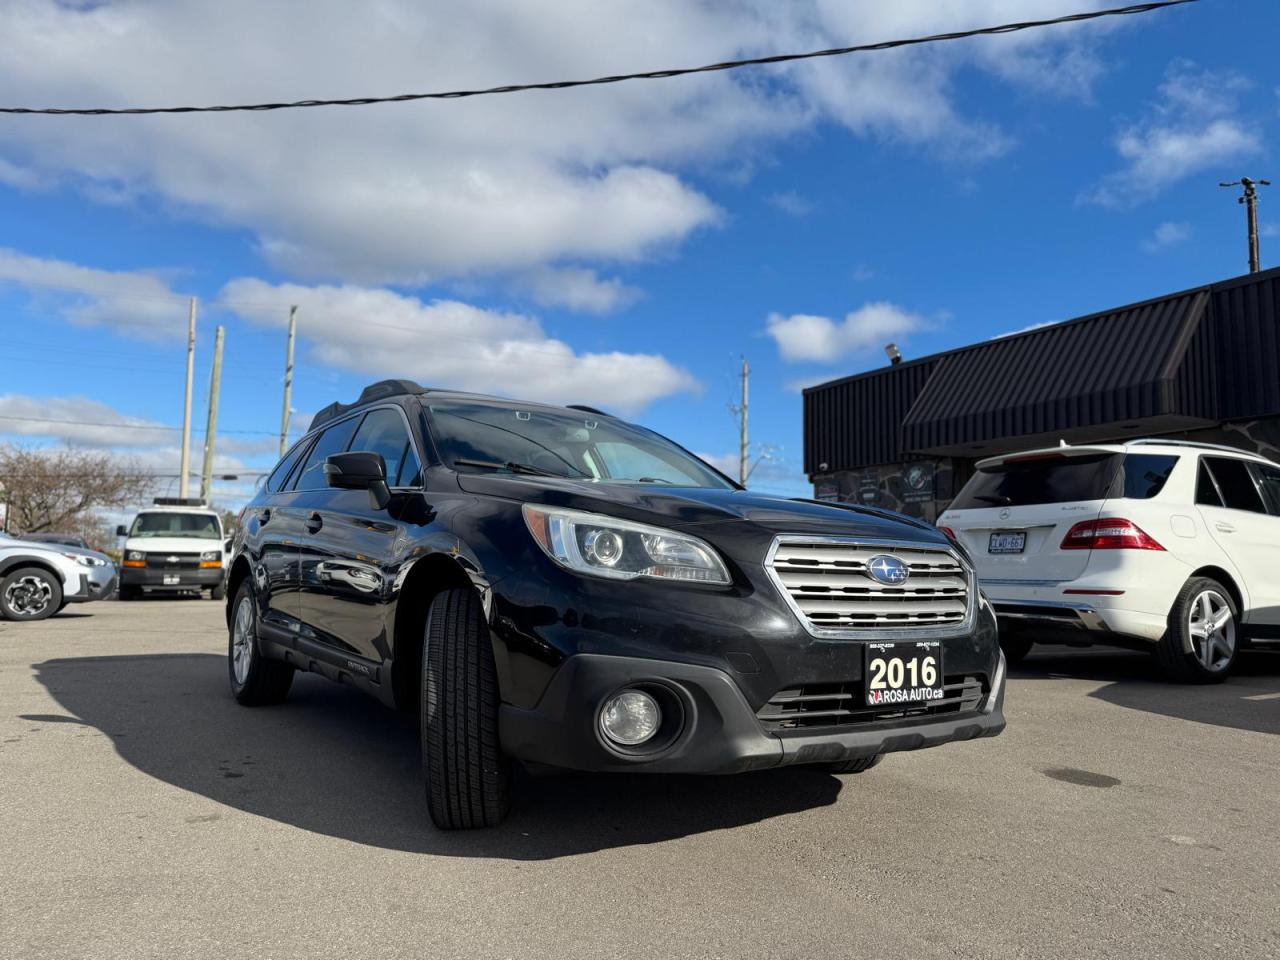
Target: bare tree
61	489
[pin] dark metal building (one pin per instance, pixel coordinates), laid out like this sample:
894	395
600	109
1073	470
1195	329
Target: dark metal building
1203	364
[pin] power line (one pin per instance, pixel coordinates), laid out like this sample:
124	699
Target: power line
618	78
124	426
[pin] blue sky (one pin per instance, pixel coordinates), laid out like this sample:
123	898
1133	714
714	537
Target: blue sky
621	246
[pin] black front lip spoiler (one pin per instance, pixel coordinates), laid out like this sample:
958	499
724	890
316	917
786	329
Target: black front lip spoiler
720	734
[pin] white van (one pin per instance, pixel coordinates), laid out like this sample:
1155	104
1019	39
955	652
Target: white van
177	546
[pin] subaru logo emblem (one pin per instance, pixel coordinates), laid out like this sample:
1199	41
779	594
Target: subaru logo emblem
888	570
1004	514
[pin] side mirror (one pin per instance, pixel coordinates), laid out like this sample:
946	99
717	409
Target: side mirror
359	470
121	531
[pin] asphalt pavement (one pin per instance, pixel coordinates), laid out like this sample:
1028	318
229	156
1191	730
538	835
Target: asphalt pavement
146	814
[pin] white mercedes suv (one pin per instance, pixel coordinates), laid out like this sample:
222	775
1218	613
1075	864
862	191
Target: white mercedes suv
1158	544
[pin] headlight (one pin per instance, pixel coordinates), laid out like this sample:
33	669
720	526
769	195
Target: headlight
211	555
84	560
135	555
621	550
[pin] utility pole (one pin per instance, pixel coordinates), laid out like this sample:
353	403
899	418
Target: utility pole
288	379
743	454
211	428
1250	201
186	409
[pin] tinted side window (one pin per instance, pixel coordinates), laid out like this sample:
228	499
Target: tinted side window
333	440
281	473
383	431
1269	480
1145	474
1206	489
1236	483
410	470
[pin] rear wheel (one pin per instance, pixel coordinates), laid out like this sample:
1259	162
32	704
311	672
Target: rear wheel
855	766
1203	636
30	593
468	777
1015	644
255	680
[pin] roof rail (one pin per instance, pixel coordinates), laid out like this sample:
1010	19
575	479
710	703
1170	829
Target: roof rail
1156	442
375	391
585	409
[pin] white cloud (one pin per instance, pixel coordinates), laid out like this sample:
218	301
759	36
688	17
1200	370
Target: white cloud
792	203
135	303
578	288
1166	235
79	420
1193	127
821	339
451	344
413	193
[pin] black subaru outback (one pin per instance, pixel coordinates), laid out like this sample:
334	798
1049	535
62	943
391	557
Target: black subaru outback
556	586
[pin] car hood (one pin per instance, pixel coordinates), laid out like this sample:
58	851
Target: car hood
172	544
706	509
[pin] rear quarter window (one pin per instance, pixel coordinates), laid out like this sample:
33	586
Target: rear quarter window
1143	475
1052	479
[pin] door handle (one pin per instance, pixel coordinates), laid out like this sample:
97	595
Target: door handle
1225	527
314	522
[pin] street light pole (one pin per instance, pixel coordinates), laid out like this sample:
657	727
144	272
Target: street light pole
1250	201
186	409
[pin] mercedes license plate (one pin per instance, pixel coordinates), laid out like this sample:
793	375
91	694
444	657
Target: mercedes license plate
1014	541
906	672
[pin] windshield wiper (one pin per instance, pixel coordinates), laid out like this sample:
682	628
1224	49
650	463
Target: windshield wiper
652	480
513	466
995	498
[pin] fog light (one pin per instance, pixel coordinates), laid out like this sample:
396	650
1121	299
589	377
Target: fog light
630	717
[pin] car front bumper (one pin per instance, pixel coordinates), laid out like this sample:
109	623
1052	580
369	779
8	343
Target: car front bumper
154	578
719	733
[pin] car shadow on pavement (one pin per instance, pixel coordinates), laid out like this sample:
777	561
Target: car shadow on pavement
1248	700
335	761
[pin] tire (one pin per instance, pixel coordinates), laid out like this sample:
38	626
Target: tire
855	766
255	680
218	593
1213	650
30	593
1016	645
468	779
127	593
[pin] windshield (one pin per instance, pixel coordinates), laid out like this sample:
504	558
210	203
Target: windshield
1050	479
481	437
192	526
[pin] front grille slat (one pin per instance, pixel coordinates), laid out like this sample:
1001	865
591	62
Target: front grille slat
840	704
831	588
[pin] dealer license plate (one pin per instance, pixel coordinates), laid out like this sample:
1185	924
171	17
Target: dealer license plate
1009	542
171	579
906	672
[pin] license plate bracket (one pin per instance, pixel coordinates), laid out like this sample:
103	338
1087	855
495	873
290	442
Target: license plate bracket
1007	541
906	673
171	579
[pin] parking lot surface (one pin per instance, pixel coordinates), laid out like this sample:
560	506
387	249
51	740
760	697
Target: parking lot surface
147	815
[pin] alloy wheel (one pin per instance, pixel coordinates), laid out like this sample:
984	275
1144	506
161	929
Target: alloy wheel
1213	631
242	641
28	596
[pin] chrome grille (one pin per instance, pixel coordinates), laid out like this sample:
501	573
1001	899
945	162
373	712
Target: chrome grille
829	585
840	704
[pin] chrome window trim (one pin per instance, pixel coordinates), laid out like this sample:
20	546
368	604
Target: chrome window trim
945	632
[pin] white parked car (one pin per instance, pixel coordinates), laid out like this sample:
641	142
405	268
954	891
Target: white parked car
1163	545
36	581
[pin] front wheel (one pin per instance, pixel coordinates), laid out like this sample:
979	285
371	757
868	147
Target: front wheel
468	777
1203	636
255	680
859	765
218	593
30	593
